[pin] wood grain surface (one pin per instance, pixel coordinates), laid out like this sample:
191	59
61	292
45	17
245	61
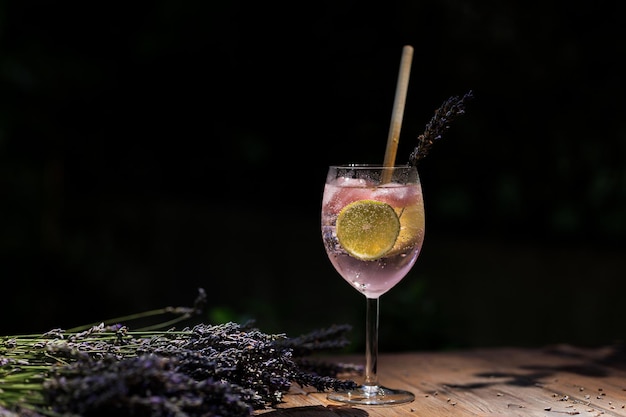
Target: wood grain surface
553	381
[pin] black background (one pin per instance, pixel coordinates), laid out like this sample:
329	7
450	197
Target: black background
151	148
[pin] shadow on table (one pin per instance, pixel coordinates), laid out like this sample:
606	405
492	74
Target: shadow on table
318	411
597	362
590	362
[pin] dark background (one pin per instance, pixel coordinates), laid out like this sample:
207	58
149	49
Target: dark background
151	148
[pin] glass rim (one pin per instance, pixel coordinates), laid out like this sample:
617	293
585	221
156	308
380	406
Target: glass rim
372	166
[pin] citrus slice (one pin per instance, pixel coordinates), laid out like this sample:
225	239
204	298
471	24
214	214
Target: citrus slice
367	229
411	228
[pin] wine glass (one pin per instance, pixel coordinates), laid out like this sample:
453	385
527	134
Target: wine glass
373	230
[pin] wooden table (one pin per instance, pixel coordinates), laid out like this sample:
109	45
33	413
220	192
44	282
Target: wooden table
553	381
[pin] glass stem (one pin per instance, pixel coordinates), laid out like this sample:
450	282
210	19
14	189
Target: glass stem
371	342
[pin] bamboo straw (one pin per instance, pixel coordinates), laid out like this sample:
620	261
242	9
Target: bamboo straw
398	111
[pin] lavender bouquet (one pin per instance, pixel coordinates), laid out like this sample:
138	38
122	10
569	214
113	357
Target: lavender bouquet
205	370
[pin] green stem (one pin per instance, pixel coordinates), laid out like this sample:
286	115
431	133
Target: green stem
123	319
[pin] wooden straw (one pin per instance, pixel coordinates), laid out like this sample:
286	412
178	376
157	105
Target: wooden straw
398	111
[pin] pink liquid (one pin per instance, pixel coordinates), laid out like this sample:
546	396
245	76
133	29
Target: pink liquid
374	278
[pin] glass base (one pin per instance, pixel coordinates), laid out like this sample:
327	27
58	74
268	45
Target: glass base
372	395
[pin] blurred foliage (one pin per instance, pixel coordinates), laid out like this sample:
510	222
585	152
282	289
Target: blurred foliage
150	148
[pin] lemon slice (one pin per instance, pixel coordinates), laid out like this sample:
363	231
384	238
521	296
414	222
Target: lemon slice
367	229
411	228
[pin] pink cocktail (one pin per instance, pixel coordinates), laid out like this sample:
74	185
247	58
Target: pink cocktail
374	277
380	211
